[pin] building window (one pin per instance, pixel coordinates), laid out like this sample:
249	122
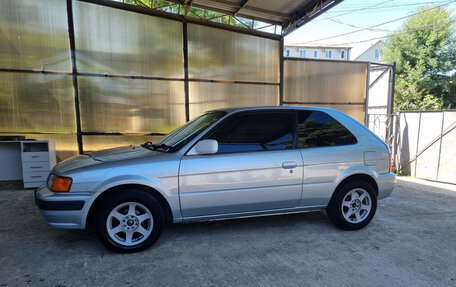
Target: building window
377	54
288	53
342	55
328	54
302	53
315	54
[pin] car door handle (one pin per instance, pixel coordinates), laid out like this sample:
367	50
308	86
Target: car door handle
289	164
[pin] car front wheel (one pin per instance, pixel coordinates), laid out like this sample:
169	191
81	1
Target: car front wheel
129	221
353	206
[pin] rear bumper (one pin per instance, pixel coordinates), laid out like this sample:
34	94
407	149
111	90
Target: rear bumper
62	210
386	183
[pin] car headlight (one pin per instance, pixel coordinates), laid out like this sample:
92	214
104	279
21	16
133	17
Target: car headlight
59	183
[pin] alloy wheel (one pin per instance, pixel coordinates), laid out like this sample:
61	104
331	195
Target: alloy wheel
129	223
356	205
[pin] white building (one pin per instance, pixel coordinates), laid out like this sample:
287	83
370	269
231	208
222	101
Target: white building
371	53
317	51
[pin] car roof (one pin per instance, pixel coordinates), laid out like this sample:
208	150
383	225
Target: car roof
278	108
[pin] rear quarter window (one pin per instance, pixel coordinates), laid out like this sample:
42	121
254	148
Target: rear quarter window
318	129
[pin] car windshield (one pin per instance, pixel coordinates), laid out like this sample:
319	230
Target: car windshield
181	136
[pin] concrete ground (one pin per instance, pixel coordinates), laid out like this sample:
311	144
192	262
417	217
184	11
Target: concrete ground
410	242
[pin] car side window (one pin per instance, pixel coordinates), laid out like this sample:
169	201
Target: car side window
318	129
256	132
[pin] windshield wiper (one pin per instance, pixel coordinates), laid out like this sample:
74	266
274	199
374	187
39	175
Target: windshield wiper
164	147
148	145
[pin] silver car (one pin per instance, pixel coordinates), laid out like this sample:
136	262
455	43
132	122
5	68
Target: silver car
225	163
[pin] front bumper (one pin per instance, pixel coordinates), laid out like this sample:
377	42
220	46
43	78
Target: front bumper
386	183
63	210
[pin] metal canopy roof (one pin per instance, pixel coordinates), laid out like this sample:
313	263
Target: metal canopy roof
289	14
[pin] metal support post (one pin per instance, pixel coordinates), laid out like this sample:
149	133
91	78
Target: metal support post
75	75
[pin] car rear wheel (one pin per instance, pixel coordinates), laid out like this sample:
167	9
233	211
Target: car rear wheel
129	221
353	206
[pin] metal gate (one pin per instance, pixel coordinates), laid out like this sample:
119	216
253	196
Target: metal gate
380	116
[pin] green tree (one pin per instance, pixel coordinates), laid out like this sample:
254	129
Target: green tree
194	12
424	49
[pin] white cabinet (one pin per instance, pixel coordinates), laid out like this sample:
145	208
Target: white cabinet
38	158
29	161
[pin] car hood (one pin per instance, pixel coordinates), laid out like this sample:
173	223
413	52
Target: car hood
104	156
121	153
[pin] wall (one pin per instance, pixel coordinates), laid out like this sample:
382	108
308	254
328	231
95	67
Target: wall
129	81
336	53
424	144
91	76
335	84
372	54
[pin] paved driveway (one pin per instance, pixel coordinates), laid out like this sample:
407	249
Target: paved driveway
410	242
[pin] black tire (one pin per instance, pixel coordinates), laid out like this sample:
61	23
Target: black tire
146	232
338	213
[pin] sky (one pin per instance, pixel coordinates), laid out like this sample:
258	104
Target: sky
352	15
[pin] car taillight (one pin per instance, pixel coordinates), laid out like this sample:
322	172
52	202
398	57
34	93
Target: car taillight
389	162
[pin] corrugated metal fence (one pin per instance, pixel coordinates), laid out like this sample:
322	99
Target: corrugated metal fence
425	144
96	74
340	85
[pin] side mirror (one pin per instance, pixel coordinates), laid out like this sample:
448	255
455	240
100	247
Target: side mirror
204	147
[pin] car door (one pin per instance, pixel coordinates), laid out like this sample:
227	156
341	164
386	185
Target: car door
328	149
256	167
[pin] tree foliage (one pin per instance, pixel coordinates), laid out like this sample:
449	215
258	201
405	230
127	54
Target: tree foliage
194	12
424	50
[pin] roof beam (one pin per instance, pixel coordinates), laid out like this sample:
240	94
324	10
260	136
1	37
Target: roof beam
181	18
235	7
307	14
239	15
261	10
288	22
237	19
244	2
188	6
